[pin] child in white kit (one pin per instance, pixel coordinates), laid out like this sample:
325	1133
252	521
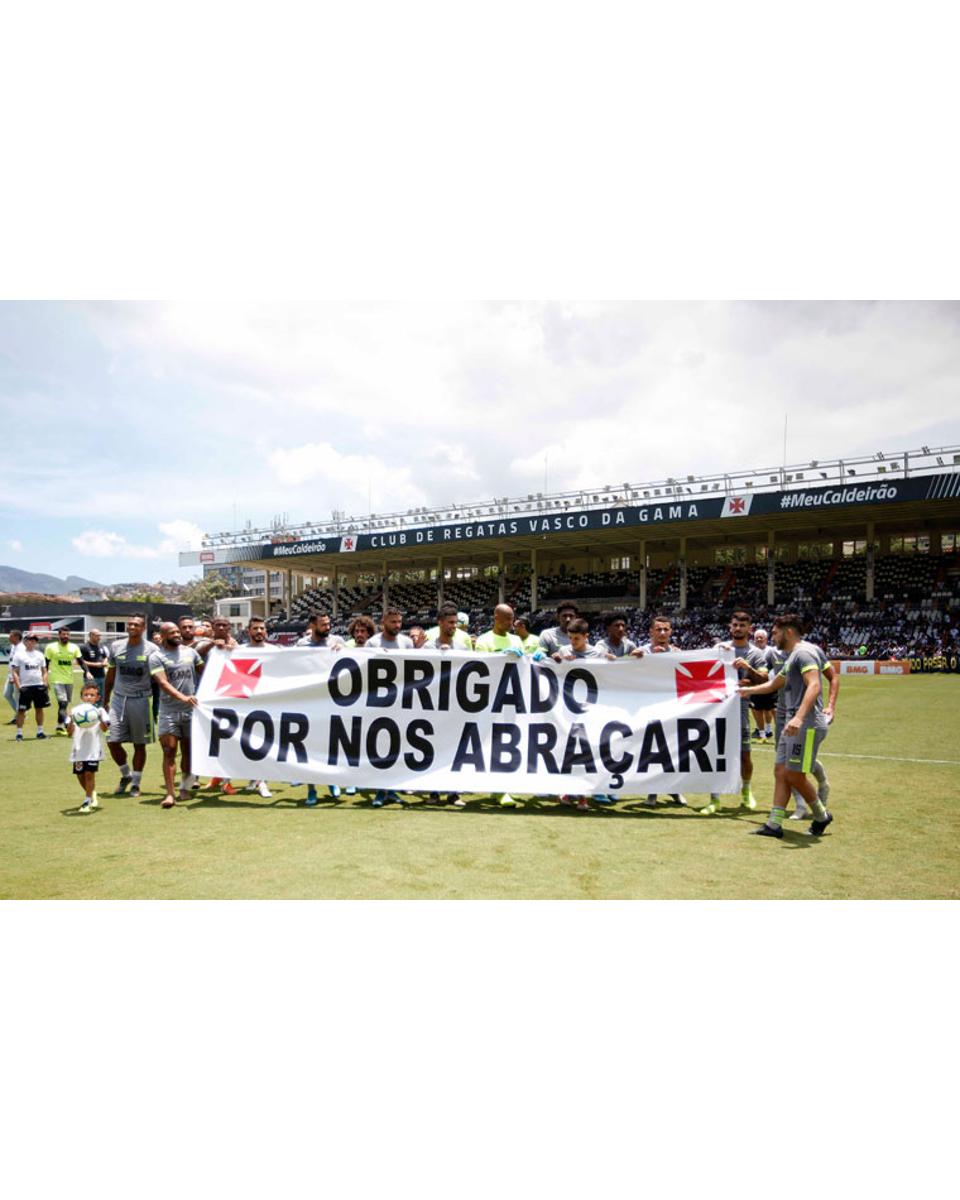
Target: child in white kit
87	749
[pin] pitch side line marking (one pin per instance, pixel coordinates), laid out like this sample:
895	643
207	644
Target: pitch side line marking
939	762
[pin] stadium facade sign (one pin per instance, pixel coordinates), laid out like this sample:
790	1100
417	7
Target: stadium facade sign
668	511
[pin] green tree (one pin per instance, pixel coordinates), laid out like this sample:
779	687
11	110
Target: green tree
202	594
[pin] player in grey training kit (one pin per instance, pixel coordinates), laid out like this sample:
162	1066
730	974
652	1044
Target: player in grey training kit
127	694
801	812
752	669
615	640
805	728
553	640
319	635
174	666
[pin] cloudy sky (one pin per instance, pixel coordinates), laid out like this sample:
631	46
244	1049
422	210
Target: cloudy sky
132	427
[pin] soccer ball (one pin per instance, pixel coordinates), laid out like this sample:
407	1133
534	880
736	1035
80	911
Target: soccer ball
85	715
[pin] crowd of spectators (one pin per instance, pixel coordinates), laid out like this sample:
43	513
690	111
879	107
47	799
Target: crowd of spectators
916	611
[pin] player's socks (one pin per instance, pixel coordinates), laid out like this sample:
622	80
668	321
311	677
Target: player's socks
776	817
135	778
94	801
747	797
125	771
819	812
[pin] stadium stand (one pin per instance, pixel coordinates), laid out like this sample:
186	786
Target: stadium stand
916	610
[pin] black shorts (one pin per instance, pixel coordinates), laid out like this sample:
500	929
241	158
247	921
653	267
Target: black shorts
79	768
763	703
33	697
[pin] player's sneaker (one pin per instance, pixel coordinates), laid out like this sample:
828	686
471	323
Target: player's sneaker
311	796
678	800
817	827
773	831
768	736
583	804
433	798
19	737
228	789
94	802
456	800
41	736
167	802
85	806
756	735
61	731
507	801
263	789
214	783
566	800
823	791
709	809
334	791
747	800
125	781
799	814
650	802
135	790
350	791
378	801
603	798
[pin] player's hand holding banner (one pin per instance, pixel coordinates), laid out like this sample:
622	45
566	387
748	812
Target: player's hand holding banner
431	721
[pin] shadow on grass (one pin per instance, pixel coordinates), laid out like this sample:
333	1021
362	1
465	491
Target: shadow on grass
536	806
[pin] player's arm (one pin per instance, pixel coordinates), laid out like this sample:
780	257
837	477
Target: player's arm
767	688
756	675
160	675
813	688
108	681
203	647
833	678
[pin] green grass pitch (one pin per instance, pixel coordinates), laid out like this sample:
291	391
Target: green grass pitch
896	832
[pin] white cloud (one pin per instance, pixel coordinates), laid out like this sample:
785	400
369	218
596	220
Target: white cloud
100	543
179	535
348	479
14	544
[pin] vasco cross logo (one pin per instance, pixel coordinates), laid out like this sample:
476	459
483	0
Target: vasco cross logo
239	677
701	681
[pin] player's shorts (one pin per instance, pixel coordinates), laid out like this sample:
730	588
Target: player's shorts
176	722
63	692
36	696
744	731
800	752
763	703
90	765
130	720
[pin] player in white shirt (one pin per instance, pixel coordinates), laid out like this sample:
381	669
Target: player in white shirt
31	679
86	750
661	631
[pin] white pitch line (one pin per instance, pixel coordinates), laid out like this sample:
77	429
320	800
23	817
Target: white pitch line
939	762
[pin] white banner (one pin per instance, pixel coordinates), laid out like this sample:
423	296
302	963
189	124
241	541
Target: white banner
431	721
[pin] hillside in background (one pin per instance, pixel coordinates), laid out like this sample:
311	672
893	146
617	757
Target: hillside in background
12	579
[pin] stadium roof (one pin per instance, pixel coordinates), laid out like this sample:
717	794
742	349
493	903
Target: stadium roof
745	504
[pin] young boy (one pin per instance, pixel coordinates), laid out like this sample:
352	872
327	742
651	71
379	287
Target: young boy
87	750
